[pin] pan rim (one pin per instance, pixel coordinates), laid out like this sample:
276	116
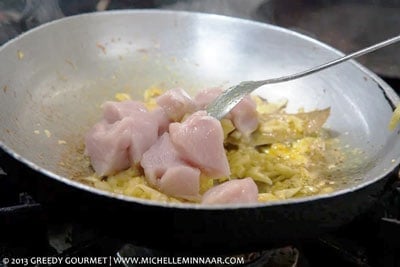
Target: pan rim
390	95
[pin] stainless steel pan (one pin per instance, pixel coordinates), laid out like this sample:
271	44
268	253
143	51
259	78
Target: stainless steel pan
54	78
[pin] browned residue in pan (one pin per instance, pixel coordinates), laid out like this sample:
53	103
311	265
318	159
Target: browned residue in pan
69	62
5	88
73	163
142	50
102	48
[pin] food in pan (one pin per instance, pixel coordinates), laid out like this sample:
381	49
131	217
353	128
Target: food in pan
395	119
167	148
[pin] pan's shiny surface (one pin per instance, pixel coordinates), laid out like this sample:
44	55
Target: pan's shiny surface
54	78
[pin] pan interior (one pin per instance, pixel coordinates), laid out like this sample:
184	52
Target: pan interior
54	79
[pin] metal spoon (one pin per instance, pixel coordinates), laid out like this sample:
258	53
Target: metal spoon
233	95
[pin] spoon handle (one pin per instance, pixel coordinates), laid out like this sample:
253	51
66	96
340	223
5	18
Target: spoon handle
356	54
232	96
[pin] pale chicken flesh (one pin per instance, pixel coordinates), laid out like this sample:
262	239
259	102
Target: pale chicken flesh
243	115
161	155
181	181
176	103
119	140
174	144
200	141
234	191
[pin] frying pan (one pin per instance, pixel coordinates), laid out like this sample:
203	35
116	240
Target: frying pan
55	77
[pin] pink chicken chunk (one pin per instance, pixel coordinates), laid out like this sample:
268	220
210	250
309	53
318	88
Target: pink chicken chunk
164	168
181	181
144	130
172	155
199	140
109	154
234	191
176	103
205	97
144	135
115	111
162	119
120	139
159	158
243	116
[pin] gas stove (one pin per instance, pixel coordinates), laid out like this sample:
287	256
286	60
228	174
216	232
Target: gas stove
31	235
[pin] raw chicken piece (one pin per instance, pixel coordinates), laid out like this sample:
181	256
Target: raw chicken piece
144	126
144	134
107	146
181	181
127	127
199	141
115	111
161	156
245	116
234	191
176	103
162	119
205	97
